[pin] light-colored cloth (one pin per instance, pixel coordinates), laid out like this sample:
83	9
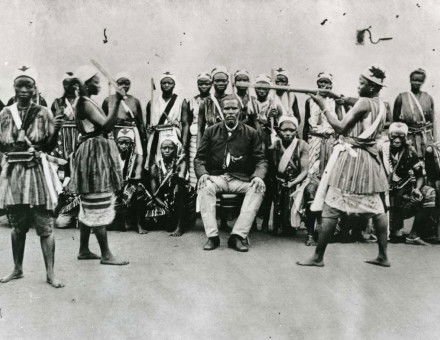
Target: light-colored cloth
85	72
351	170
325	75
354	203
26	71
285	101
168	75
35	182
97	209
228	184
122	75
194	106
375	74
219	69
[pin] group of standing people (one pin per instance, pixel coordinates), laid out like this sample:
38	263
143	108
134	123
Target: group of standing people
111	165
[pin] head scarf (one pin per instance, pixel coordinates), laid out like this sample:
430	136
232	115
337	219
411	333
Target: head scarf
167	74
204	76
419	71
241	72
85	72
219	69
263	78
398	127
122	75
281	72
125	134
325	75
375	74
290	119
26	71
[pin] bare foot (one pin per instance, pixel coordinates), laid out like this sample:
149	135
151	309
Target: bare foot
379	262
142	231
16	274
416	241
310	241
177	233
55	283
311	263
112	261
88	256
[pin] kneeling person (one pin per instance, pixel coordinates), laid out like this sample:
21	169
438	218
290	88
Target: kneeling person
165	201
291	158
230	159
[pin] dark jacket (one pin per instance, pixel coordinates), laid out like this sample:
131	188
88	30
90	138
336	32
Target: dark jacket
244	145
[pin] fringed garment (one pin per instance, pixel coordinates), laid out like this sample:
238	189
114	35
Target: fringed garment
32	181
96	165
67	141
417	112
363	174
321	137
357	176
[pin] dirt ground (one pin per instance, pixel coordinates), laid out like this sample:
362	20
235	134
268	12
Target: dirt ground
172	289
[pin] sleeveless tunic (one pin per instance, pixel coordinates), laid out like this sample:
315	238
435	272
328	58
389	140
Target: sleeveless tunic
365	173
96	164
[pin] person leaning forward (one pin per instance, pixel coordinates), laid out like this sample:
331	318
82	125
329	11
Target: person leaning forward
230	158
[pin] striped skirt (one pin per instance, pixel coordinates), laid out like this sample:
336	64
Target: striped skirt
97	209
96	167
21	184
358	175
67	141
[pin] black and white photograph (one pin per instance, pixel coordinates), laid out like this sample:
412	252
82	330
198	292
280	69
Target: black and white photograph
219	169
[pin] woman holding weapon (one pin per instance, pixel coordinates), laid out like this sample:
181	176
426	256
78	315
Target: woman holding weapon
96	173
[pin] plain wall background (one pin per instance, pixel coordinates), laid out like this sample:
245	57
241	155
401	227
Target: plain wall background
187	37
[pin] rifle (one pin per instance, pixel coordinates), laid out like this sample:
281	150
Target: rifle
282	88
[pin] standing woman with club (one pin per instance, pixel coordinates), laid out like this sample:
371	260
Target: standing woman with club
96	173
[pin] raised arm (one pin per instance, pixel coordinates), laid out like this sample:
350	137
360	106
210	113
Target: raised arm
355	114
91	112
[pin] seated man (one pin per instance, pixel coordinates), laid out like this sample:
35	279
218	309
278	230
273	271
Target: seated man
408	195
291	158
230	159
165	202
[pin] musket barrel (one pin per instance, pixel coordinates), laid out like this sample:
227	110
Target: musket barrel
276	87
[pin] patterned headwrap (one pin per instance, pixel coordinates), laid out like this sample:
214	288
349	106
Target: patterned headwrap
204	76
398	127
125	134
375	74
167	75
281	72
122	75
85	72
325	75
219	69
26	71
419	71
241	72
263	78
288	119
